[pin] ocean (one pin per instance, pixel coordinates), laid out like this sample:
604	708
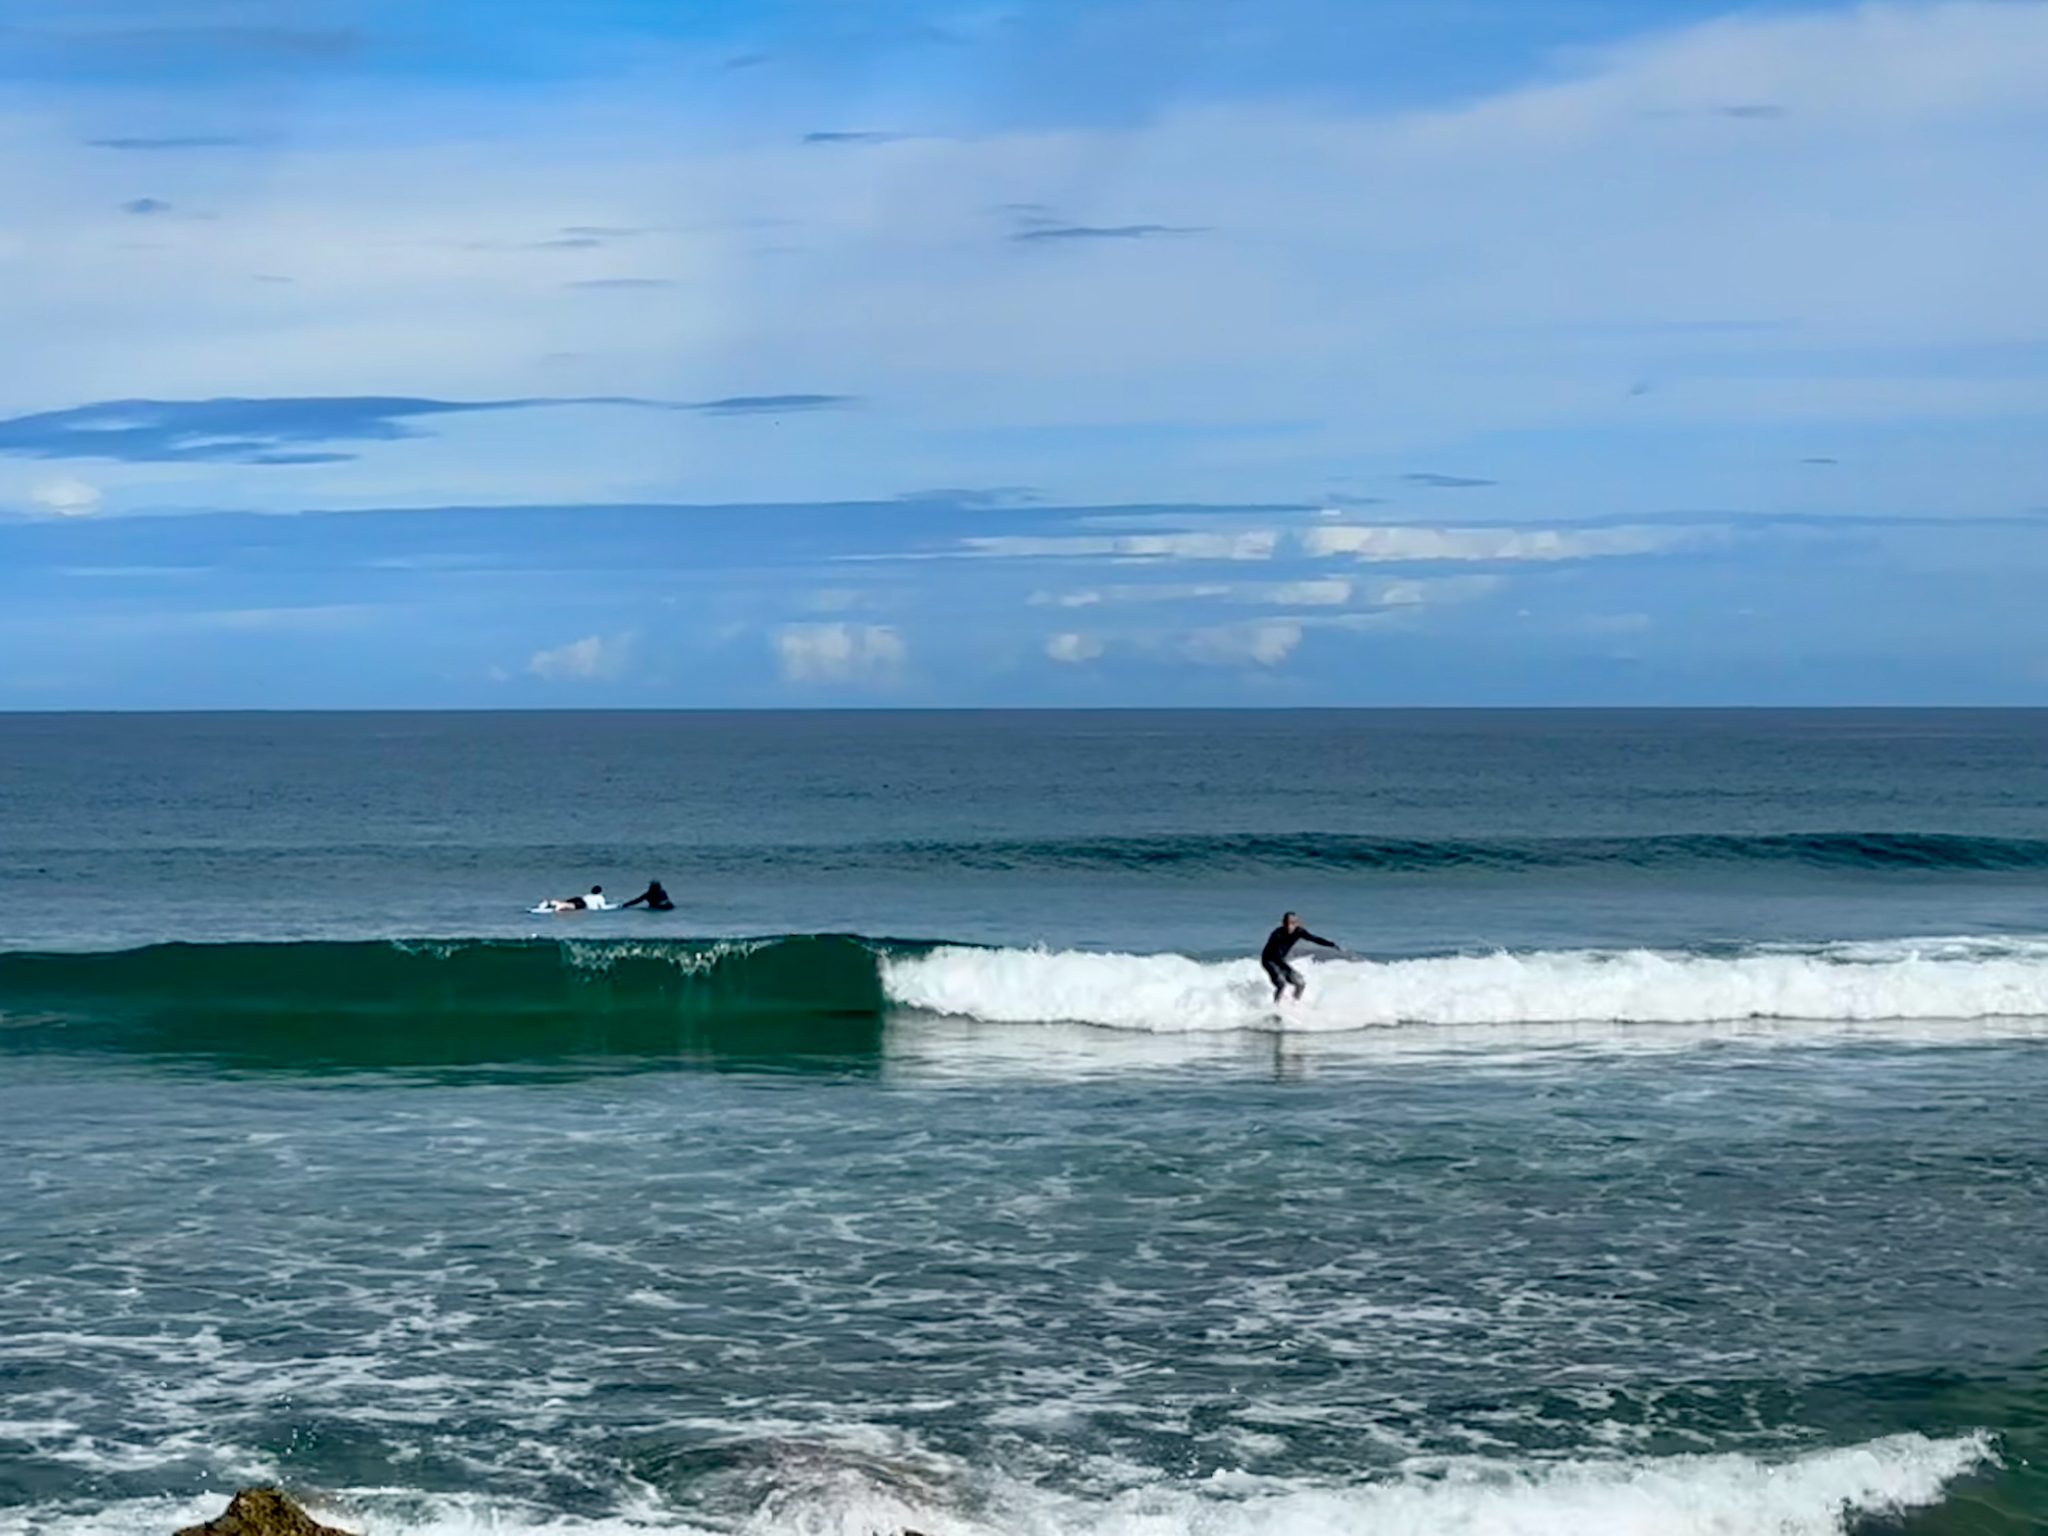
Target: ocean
1664	1152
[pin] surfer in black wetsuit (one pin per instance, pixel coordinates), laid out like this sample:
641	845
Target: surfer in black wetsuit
654	899
1274	956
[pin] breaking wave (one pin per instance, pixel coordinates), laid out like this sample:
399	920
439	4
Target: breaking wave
1936	979
484	1000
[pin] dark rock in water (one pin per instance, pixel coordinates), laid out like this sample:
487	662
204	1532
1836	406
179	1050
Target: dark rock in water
268	1512
262	1512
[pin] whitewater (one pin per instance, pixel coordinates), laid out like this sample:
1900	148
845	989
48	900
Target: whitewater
1951	978
823	1491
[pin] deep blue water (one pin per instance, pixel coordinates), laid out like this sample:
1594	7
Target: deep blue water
1663	1154
124	830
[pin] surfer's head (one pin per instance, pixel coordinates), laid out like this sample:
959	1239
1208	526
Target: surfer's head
597	890
1290	920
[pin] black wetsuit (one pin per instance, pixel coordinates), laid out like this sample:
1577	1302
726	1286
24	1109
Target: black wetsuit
1274	957
655	897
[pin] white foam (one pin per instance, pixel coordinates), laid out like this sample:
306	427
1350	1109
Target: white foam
1928	979
1818	1494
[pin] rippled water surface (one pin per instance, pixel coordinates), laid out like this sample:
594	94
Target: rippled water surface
1582	1196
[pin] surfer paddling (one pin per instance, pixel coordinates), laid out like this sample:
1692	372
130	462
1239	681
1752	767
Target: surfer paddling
1279	944
654	898
594	902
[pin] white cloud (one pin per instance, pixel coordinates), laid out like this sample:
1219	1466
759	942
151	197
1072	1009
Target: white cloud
1074	648
1323	592
840	653
1254	544
1377	282
1267	645
1315	592
66	497
590	658
1333	593
1441	589
1150	592
1386	543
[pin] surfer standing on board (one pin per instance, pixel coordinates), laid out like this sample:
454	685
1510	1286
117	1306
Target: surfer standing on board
1274	956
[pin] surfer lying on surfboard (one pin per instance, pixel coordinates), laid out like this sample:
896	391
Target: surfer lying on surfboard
594	902
1274	956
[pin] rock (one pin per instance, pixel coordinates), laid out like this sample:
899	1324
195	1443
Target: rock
262	1512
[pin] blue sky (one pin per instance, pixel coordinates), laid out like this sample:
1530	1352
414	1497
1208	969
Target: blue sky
622	353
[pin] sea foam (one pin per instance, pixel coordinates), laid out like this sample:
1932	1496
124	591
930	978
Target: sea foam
1730	1495
1819	1494
1930	979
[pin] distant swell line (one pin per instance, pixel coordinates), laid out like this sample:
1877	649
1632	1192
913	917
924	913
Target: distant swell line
1930	851
1196	854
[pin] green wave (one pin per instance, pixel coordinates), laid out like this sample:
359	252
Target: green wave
453	1003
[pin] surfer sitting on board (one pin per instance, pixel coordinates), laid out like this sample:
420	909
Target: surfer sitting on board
1274	956
594	902
654	898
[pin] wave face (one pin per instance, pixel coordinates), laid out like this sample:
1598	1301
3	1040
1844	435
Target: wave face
1847	851
808	972
1945	979
450	1001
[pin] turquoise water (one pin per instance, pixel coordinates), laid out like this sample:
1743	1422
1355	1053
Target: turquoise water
1665	1155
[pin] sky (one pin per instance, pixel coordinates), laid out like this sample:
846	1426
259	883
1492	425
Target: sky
1104	353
